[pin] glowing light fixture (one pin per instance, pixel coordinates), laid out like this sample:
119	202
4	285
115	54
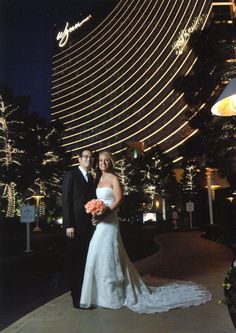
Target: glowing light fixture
212	185
226	103
37	196
157	204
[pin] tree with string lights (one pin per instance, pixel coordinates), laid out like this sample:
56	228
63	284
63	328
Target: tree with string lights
52	161
124	170
31	157
159	176
151	175
11	157
189	181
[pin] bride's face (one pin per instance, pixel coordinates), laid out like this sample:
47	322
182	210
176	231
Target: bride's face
104	163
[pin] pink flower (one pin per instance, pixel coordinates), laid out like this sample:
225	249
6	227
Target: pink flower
94	206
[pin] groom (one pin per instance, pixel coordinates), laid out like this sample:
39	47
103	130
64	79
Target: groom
78	188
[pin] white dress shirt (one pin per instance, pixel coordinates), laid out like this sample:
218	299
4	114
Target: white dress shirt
85	173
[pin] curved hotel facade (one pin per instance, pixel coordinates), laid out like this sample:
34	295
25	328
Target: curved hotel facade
112	81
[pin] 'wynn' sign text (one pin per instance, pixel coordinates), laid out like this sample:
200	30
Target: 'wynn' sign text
63	36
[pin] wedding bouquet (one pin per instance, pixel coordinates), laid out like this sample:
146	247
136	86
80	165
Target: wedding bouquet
94	206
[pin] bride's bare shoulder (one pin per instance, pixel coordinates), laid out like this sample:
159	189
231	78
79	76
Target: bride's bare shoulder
115	178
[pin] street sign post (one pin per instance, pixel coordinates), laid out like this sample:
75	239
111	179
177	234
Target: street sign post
190	209
27	216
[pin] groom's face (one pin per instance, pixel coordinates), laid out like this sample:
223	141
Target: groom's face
86	159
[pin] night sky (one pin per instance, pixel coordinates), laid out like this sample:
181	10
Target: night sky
27	35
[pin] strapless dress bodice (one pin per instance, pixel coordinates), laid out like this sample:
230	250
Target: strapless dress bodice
105	194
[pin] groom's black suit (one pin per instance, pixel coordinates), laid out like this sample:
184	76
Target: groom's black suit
76	192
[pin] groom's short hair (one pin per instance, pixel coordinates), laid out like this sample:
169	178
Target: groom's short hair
80	152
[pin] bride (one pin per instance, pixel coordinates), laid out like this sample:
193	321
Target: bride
110	279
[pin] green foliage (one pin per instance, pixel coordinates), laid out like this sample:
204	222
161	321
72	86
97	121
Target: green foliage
214	145
229	286
212	46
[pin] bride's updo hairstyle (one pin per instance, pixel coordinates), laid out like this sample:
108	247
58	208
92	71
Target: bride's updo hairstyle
111	159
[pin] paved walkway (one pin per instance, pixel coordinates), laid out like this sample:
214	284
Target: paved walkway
183	256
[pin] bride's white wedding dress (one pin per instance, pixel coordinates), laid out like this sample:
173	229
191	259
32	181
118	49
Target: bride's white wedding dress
111	281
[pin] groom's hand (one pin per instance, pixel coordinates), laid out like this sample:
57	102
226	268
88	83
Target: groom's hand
70	232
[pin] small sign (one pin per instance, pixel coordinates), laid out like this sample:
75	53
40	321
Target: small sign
174	215
27	214
190	206
149	217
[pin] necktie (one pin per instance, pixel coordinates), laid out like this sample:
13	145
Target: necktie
86	176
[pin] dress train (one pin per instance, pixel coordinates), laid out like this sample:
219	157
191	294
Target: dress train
111	280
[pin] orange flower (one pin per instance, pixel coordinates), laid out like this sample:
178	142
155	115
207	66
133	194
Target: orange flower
94	206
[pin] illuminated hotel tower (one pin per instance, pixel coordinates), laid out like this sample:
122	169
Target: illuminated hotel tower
112	82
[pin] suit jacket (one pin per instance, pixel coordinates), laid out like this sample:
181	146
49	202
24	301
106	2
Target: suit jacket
76	192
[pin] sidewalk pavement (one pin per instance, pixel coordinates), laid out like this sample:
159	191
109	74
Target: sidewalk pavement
182	256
